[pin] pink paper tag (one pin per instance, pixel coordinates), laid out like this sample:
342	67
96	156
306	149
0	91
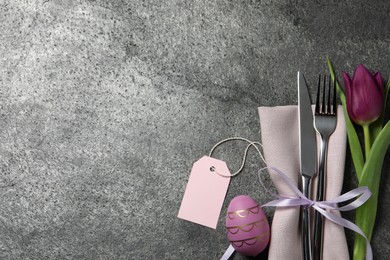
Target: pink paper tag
205	192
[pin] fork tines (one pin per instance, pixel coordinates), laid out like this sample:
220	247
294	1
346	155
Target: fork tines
326	109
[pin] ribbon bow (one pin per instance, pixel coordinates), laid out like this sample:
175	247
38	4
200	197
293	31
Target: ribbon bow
358	196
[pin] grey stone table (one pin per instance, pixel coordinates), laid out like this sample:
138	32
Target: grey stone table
105	105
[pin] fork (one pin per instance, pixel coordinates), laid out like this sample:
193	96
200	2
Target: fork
325	120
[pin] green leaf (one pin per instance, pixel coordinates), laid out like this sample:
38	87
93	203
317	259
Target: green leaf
371	175
377	152
376	126
353	140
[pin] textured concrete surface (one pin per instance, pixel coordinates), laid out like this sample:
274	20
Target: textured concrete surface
105	105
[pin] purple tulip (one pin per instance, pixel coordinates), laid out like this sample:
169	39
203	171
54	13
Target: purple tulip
365	95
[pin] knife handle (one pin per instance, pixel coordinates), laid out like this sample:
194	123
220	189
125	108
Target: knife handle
306	240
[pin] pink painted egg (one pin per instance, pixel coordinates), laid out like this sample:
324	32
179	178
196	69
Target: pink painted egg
247	226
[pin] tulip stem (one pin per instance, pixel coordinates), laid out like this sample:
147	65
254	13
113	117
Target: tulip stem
367	139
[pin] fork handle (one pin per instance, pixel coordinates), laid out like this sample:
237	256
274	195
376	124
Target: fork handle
321	185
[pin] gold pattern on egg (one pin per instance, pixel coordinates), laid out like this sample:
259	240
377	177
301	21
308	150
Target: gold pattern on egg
247	227
252	240
242	213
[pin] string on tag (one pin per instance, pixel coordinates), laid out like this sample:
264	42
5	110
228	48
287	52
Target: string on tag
254	144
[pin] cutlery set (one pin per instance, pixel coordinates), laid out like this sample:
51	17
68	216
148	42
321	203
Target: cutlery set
324	122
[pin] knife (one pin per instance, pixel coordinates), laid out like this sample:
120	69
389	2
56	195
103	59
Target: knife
307	157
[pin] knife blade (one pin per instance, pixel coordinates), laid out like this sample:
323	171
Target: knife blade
307	157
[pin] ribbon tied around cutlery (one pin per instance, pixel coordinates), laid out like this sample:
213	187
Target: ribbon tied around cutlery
352	199
357	197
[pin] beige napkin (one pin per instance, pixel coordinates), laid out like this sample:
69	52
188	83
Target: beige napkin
279	134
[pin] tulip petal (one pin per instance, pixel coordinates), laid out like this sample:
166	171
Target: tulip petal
379	81
367	101
376	127
348	94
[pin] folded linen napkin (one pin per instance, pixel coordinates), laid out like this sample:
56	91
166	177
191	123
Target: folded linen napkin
279	134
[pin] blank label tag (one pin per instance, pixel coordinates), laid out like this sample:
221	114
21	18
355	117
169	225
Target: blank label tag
205	192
